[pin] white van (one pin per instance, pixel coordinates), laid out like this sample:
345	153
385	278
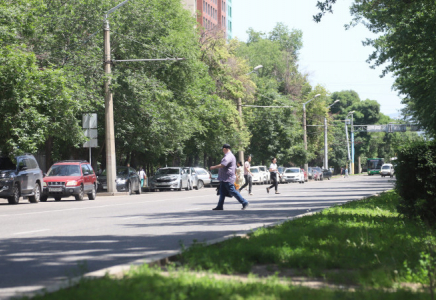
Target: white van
387	170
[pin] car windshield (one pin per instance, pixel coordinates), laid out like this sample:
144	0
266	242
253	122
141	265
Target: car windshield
292	171
64	170
262	169
168	172
122	171
214	171
317	169
386	167
254	170
6	164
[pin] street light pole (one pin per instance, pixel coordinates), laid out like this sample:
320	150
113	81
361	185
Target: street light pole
326	158
306	167
352	142
109	114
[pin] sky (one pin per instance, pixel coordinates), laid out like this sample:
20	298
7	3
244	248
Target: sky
331	56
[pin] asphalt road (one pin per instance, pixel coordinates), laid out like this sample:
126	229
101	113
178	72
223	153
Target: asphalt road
42	244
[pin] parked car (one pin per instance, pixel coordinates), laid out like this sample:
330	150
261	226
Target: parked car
214	178
281	177
70	178
265	174
258	176
23	179
310	173
170	178
199	177
305	175
189	172
127	180
387	170
319	171
326	174
294	175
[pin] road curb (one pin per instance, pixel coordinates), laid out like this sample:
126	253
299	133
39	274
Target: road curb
156	260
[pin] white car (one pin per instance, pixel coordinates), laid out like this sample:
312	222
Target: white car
258	176
293	175
265	173
387	170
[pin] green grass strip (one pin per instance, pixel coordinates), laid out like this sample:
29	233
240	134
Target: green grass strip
362	242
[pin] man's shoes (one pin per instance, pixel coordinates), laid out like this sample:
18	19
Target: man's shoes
217	208
277	193
251	194
244	206
267	190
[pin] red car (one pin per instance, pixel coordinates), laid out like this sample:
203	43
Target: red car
69	178
305	175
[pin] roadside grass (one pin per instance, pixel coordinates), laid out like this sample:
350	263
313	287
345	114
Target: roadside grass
149	283
361	243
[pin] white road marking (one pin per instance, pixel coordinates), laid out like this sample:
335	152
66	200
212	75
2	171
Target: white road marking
129	218
193	208
28	232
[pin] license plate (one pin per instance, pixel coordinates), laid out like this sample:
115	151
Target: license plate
55	189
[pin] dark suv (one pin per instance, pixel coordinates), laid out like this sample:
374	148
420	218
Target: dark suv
70	178
23	179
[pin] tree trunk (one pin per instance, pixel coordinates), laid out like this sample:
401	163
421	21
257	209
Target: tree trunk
48	152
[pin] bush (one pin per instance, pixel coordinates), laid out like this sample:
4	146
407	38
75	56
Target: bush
416	180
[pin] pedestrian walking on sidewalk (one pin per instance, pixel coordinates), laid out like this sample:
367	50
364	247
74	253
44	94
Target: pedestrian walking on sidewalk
239	176
227	177
346	173
274	171
248	176
142	176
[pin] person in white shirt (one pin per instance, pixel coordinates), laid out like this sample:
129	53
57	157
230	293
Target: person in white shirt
274	171
247	176
142	176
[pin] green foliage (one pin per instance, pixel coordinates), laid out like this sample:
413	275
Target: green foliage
362	242
416	180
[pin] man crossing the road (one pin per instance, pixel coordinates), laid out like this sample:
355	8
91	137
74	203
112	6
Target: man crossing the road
227	177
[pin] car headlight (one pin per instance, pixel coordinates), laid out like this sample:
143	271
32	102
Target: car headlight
71	183
6	179
121	181
44	184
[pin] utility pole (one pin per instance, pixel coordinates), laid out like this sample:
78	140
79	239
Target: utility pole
109	114
348	145
352	146
326	164
241	153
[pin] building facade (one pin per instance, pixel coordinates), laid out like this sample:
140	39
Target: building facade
211	14
229	20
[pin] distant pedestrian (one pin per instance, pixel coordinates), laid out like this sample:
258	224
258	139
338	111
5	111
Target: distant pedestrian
274	171
227	177
346	173
342	171
248	176
142	176
239	176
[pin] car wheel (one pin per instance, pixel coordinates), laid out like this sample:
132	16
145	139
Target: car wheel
79	197
91	196
139	191
15	198
43	199
36	194
129	188
180	187
328	178
59	198
200	185
188	187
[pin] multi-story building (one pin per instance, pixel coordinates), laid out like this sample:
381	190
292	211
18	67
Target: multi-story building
229	20
211	13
